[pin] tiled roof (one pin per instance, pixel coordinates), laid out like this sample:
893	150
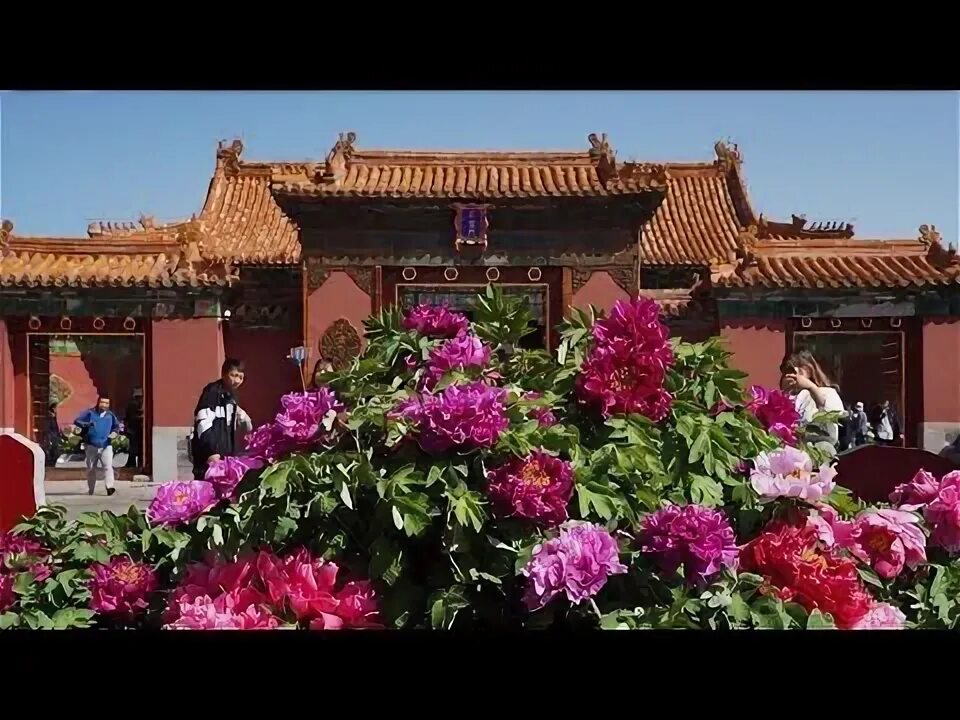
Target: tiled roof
843	263
113	256
241	219
349	172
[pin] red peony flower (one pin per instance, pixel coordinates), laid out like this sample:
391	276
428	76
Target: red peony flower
800	570
776	411
537	487
121	588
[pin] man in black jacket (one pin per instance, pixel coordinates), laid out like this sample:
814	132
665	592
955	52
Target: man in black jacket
215	419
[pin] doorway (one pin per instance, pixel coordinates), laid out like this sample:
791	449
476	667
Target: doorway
67	374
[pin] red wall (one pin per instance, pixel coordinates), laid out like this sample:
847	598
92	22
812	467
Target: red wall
941	371
338	297
757	347
83	390
268	373
6	379
89	376
600	291
187	354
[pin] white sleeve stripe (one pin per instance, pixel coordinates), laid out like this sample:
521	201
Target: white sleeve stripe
204	425
205	414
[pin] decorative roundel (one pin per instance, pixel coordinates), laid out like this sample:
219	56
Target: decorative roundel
806	322
835	323
534	274
451	274
409	273
33	323
493	274
896	322
866	322
129	324
99	323
66	323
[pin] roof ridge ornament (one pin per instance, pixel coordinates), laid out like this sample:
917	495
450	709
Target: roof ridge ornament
6	233
338	159
941	256
728	155
228	156
604	156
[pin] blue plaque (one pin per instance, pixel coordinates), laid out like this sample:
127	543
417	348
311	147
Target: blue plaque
471	224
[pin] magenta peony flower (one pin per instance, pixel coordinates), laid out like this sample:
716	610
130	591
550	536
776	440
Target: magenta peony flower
269	442
776	411
306	416
181	501
537	487
625	369
543	415
788	472
460	353
887	540
121	588
943	513
577	563
462	417
225	474
881	616
696	537
916	493
357	607
436	321
11	544
7	596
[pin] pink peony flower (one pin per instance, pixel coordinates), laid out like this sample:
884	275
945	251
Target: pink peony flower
543	415
121	588
881	616
357	606
229	611
776	411
181	501
7	596
216	577
436	321
626	367
460	353
919	491
11	544
831	530
308	416
307	585
225	474
788	472
537	487
462	417
943	513
576	563
269	442
696	537
887	540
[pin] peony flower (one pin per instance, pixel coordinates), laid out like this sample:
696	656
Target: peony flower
181	501
537	487
943	513
268	442
307	585
121	588
882	616
225	474
776	411
626	367
788	472
7	596
919	491
887	540
357	606
11	544
460	353
696	537
462	417
830	529
307	416
229	611
543	415
576	563
436	321
797	568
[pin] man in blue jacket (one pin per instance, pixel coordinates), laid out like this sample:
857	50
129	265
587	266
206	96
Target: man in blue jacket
99	426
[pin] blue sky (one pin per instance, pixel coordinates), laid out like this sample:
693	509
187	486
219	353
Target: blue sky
887	161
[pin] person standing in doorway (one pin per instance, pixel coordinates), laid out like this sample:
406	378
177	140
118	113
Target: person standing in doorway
860	425
99	426
886	425
813	392
217	418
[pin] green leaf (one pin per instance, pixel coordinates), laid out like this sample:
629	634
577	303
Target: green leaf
738	609
22	583
869	576
345	496
397	518
819	621
601	498
468	509
274	479
414	507
9	620
706	491
218	534
386	560
145	540
445	607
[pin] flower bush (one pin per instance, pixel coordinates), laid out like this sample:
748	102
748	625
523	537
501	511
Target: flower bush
450	478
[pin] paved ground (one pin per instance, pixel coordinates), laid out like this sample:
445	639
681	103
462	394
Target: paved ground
73	494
